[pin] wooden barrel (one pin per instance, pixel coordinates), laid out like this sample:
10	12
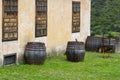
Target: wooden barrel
108	45
75	51
93	43
100	44
109	41
35	53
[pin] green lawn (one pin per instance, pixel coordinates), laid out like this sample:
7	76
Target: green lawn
58	68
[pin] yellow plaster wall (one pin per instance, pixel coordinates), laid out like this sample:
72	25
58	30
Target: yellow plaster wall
85	19
59	22
26	24
9	47
26	21
84	22
59	26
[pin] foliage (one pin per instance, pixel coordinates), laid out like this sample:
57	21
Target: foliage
105	16
113	34
58	68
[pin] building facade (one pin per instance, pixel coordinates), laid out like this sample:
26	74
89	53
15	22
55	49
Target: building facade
54	22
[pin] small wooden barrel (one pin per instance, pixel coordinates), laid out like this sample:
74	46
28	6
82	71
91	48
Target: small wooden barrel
75	51
35	53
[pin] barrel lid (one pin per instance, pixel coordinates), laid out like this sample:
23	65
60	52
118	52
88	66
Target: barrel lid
75	43
36	43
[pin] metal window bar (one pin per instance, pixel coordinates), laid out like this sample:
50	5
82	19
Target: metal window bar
41	18
10	20
75	16
9	59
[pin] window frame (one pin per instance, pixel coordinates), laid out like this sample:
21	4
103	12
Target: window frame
78	12
10	17
43	13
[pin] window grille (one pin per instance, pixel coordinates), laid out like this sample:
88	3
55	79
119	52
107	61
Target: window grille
41	18
10	20
9	59
75	16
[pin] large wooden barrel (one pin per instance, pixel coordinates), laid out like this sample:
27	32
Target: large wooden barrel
97	43
108	45
109	41
35	53
75	51
93	43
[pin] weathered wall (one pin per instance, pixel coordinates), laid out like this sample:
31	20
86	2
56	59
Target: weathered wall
85	19
84	22
26	23
9	47
59	23
59	26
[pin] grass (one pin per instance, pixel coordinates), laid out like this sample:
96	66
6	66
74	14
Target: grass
94	67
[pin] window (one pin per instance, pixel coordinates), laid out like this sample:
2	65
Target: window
10	20
75	17
9	59
41	18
